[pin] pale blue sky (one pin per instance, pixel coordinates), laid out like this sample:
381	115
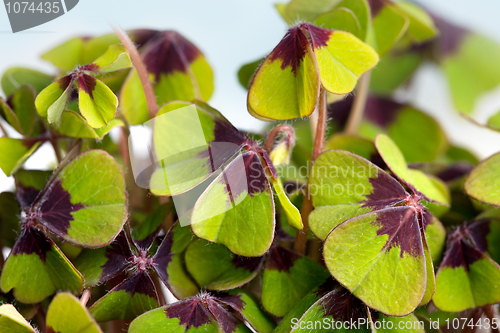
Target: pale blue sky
232	32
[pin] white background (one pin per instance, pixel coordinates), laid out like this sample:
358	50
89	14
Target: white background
233	32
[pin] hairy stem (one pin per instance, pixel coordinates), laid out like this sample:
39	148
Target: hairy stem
274	133
57	151
307	206
85	296
4	132
147	86
359	105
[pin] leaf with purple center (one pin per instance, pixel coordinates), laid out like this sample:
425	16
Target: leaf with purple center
214	267
332	308
36	269
307	57
178	70
67	315
137	294
467	277
380	246
85	203
208	146
201	313
287	278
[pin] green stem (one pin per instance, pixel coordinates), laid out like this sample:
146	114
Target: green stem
307	206
359	105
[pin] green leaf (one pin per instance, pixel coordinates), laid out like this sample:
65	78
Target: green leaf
9	219
247	71
20	111
361	10
252	312
36	269
291	212
471	70
169	262
395	160
96	101
51	101
67	315
28	184
288	277
152	222
73	125
494	121
12	321
483	183
393	70
86	204
133	100
214	267
353	144
389	25
115	58
16	77
344	185
67	55
380	251
237	208
307	10
14	153
342	59
421	26
408	323
129	299
340	19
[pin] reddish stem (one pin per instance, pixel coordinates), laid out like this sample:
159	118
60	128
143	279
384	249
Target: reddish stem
140	67
307	206
275	132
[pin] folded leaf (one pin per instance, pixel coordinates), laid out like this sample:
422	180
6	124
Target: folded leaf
36	269
340	19
96	101
389	25
51	102
249	307
287	278
483	183
286	85
421	26
114	59
86	203
126	301
67	315
75	126
214	267
292	213
14	153
12	321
